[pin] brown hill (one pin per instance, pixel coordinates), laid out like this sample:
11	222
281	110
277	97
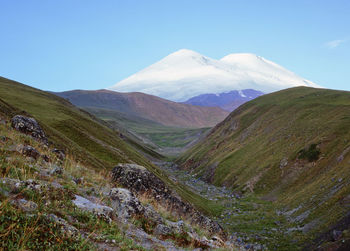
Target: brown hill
148	107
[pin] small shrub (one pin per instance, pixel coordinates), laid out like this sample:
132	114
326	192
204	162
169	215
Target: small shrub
311	154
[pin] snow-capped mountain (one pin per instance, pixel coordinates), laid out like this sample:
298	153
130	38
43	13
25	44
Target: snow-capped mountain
227	100
185	74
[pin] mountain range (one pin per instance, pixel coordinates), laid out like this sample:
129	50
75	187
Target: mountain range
228	101
185	74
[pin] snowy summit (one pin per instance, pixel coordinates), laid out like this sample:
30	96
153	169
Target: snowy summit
185	74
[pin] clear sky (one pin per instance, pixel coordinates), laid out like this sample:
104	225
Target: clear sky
62	45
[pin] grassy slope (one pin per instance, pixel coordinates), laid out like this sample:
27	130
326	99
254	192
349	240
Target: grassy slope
248	147
81	134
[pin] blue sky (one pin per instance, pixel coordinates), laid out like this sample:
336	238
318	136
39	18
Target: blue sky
62	45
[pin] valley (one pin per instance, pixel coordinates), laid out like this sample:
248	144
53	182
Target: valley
251	164
166	127
253	223
175	125
266	176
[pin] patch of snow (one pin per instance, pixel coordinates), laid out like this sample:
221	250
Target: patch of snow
242	94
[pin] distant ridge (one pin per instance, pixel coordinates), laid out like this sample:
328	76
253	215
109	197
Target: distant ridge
147	107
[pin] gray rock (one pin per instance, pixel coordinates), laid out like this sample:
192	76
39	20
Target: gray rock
30	151
102	211
139	180
25	205
56	170
284	162
125	203
179	227
162	230
149	242
29	126
152	215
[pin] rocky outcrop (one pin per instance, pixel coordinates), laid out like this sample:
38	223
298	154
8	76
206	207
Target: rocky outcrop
29	126
125	204
140	181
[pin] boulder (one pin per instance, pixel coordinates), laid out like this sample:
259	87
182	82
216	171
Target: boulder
29	126
25	205
170	228
30	151
162	230
125	204
141	181
102	211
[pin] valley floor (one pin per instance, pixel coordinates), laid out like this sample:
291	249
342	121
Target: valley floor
253	223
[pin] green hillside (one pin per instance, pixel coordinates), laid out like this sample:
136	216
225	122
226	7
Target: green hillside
291	147
82	135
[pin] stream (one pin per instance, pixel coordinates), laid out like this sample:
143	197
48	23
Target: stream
232	214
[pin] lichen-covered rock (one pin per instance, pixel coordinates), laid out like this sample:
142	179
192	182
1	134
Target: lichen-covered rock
170	228
30	151
179	227
125	204
140	181
162	230
102	211
25	205
151	214
29	126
